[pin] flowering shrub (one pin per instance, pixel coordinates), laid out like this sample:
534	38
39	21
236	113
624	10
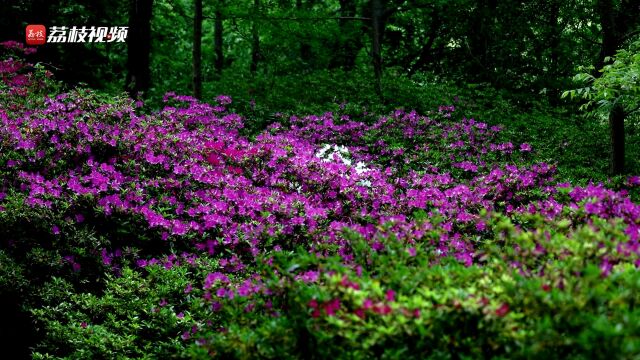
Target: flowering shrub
176	233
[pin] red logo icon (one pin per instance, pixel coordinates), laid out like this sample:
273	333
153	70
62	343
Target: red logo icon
36	35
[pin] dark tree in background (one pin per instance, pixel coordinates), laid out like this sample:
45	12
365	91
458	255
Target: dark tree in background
305	48
377	26
610	42
139	47
349	42
218	31
552	38
480	38
197	50
255	38
616	24
425	54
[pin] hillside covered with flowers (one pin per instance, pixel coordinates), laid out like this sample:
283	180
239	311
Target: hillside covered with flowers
180	233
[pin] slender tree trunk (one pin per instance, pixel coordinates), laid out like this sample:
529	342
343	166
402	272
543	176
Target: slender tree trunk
139	47
610	42
481	34
197	50
348	44
606	11
255	39
376	48
217	43
616	125
426	52
305	48
554	45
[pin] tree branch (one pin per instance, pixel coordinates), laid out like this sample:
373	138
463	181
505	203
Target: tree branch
630	35
583	37
629	112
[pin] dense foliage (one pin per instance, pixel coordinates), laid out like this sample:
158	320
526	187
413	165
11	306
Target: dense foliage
187	232
526	48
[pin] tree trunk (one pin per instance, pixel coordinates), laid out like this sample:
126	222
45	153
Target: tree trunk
255	39
139	47
425	53
610	42
197	50
616	125
480	34
606	11
553	41
217	43
348	43
305	48
377	11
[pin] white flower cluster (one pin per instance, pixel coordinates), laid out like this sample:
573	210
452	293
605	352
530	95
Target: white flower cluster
330	152
339	151
295	186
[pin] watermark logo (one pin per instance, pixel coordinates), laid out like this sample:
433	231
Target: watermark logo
35	34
